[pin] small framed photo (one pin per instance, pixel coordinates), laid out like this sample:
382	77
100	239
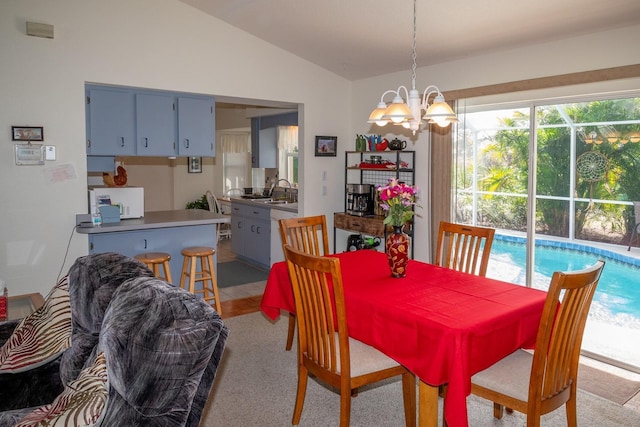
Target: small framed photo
194	164
326	146
27	133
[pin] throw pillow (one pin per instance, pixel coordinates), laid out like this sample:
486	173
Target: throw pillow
41	336
80	404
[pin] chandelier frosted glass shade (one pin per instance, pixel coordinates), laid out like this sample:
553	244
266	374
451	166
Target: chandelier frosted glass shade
376	115
409	114
440	113
398	111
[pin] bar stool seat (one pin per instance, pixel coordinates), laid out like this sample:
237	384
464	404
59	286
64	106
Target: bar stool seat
154	260
206	274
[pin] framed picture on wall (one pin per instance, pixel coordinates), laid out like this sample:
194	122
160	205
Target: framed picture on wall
194	164
326	146
27	133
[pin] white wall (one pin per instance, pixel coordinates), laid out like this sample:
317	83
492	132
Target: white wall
159	44
593	51
165	44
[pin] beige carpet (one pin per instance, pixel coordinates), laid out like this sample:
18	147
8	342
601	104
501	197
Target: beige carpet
256	385
606	385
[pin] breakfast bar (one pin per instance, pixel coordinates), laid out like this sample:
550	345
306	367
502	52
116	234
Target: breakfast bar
162	231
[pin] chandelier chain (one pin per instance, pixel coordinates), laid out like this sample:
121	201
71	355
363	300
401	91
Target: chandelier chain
414	56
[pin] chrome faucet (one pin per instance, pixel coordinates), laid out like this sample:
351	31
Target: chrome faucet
282	179
275	184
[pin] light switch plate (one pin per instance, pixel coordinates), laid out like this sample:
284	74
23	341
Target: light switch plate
49	152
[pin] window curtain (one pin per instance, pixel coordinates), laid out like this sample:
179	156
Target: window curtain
287	138
236	142
234	149
441	164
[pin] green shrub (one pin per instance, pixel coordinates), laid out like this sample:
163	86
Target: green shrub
201	203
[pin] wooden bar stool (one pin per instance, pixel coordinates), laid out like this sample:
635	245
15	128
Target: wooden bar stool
154	260
204	254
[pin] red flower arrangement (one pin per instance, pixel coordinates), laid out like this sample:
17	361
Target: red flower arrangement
398	200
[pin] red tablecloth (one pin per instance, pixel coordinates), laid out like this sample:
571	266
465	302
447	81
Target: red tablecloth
441	324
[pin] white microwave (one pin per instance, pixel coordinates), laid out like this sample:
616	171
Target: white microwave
129	199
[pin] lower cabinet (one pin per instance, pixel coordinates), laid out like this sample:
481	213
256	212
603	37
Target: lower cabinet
170	239
251	233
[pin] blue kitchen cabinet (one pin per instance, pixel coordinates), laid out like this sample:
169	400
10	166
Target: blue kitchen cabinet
110	122
196	127
238	224
166	239
156	124
143	122
257	235
251	233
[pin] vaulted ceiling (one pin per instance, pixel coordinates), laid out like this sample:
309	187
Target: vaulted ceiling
363	38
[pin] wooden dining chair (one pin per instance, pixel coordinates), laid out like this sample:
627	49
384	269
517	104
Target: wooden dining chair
464	247
538	383
325	349
309	235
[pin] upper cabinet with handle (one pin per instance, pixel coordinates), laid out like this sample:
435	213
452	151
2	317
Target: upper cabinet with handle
155	124
110	116
131	121
196	127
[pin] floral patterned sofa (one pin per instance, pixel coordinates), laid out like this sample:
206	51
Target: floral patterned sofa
112	346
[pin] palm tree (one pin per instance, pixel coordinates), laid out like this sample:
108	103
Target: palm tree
503	165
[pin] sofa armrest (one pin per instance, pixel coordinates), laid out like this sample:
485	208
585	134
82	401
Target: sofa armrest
159	342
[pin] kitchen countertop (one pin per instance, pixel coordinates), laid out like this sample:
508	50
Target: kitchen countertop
289	207
160	219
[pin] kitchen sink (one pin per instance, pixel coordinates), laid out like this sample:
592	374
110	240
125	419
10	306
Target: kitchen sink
255	197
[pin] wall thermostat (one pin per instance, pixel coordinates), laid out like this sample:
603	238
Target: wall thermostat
29	154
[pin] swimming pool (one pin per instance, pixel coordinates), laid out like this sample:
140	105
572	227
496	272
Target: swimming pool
617	298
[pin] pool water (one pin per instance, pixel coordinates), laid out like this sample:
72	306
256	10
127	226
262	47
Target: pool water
617	298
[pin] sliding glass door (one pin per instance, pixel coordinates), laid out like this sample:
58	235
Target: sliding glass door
578	207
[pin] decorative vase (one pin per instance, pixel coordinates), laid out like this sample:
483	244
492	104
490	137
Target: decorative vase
397	250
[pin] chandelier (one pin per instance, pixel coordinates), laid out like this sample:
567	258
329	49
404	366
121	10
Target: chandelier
408	113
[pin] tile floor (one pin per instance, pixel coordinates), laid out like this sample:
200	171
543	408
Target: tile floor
240	291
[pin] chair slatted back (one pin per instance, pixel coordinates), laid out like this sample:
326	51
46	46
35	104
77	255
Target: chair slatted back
556	357
306	234
464	248
212	202
319	299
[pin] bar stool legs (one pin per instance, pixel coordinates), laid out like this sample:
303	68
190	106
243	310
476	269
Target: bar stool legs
206	274
153	260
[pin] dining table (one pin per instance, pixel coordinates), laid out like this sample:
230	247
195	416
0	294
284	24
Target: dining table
441	324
